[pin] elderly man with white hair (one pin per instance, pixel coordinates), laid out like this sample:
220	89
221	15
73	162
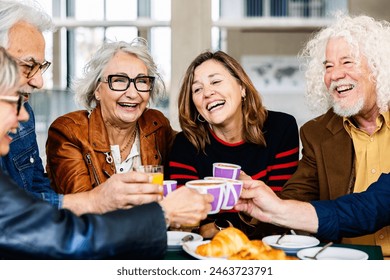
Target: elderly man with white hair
346	149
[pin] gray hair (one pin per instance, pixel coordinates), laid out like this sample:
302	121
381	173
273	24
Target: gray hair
367	37
14	11
85	87
9	72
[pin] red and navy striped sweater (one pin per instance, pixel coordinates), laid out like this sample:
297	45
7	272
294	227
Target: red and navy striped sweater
273	164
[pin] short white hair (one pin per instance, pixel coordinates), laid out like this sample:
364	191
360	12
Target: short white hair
28	11
85	86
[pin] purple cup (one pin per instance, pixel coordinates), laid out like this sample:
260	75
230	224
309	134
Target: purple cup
169	186
226	170
232	192
214	187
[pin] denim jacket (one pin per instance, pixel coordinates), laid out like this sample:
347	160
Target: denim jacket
24	165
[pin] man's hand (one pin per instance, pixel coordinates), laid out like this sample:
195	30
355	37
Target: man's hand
258	200
186	206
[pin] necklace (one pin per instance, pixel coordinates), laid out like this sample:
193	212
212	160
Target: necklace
132	138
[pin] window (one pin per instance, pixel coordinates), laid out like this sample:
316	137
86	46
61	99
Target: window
80	32
281	8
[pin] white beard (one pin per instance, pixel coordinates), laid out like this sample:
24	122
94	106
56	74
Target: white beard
347	111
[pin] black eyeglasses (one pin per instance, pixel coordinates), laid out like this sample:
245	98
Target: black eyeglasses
18	100
122	82
31	68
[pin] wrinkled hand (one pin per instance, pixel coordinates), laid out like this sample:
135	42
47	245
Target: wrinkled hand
258	200
123	191
186	206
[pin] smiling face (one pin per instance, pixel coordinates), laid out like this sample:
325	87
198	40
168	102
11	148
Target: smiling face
348	81
121	108
217	94
9	119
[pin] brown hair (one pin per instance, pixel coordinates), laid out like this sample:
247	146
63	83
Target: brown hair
254	113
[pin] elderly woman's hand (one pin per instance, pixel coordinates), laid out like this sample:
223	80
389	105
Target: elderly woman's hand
186	206
123	191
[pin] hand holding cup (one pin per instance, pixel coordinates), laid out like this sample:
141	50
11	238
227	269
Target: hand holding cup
214	187
157	172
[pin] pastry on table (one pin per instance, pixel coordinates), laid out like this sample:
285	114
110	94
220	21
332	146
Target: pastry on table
224	244
233	244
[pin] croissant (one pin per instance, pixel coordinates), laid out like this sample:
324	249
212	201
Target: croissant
257	250
224	244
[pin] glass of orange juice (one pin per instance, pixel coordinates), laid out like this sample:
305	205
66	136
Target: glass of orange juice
157	171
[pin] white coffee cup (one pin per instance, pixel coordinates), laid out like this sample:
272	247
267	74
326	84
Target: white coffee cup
232	192
214	187
226	170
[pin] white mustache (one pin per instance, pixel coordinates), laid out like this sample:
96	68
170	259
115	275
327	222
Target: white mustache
335	84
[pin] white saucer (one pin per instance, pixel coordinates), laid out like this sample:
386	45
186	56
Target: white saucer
291	244
333	253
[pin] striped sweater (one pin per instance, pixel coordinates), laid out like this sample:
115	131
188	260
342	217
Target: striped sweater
273	164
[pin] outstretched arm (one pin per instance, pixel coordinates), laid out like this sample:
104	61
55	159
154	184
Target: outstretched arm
259	201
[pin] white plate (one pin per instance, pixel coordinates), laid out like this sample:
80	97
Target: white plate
190	248
291	244
174	239
333	253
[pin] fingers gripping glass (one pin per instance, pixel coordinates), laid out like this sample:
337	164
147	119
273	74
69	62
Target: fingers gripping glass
121	82
33	67
18	100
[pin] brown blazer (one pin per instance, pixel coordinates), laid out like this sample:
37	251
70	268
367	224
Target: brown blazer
326	169
77	148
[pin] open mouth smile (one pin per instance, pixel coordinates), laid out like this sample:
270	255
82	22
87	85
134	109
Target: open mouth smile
344	88
215	104
127	105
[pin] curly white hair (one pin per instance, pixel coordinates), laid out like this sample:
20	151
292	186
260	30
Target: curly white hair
367	37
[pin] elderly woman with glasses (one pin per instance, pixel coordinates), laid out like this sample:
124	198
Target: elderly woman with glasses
32	229
117	132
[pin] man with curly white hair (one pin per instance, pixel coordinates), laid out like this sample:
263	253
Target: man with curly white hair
348	147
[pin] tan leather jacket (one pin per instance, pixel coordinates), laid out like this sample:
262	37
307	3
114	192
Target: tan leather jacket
78	147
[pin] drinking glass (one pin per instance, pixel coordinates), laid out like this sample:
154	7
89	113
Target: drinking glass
157	171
